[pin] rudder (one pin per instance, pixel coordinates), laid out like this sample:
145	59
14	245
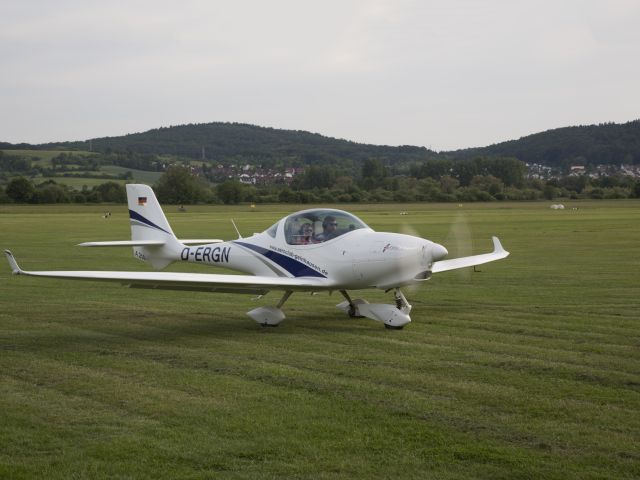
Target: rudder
147	218
148	222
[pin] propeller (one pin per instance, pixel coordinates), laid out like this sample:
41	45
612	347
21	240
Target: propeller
459	241
429	253
407	229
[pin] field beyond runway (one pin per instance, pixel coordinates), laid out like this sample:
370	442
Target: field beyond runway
529	368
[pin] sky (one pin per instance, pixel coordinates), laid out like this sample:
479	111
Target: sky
439	74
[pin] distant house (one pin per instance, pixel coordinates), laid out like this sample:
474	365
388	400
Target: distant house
247	179
577	170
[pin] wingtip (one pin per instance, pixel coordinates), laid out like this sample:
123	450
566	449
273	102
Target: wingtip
15	269
497	246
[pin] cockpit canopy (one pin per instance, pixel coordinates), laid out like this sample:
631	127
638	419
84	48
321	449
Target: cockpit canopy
317	226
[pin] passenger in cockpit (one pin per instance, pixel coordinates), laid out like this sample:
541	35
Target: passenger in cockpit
306	234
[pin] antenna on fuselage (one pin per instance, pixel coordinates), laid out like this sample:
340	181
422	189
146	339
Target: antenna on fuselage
234	226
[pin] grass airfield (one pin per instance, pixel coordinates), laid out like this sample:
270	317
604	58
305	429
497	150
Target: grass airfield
529	368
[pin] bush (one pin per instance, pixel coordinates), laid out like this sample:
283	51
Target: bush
112	192
4	198
596	193
50	193
230	192
20	190
404	196
177	186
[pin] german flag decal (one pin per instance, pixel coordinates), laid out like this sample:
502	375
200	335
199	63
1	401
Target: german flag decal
142	201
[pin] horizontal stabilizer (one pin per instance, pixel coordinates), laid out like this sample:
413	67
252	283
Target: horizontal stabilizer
462	262
195	241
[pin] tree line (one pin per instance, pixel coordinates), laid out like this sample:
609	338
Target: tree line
23	190
482	179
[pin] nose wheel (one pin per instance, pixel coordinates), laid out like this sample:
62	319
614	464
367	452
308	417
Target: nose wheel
401	302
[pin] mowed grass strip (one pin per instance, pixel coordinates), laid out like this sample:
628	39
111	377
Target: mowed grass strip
528	368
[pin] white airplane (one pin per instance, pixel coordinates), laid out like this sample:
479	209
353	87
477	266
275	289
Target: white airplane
309	251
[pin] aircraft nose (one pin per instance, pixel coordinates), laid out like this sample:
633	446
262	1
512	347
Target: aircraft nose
438	252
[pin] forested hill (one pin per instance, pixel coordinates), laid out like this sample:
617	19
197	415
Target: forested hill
250	143
241	143
589	145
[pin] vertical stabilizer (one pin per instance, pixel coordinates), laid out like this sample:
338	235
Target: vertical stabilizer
149	223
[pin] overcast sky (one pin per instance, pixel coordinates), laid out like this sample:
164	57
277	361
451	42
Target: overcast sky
440	74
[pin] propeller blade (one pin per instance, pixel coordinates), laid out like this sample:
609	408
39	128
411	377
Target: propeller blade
407	229
460	241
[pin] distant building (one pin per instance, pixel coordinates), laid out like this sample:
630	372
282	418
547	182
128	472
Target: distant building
247	179
577	170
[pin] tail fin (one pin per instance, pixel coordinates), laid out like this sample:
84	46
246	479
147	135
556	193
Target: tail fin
149	223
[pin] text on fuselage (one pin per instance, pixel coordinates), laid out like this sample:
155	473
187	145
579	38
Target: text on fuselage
206	254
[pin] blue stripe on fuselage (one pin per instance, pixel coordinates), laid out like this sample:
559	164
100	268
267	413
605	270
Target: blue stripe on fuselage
136	216
294	267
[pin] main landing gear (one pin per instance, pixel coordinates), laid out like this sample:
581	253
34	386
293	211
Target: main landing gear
270	316
393	317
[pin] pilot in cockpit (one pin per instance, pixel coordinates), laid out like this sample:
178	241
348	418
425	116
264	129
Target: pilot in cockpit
329	229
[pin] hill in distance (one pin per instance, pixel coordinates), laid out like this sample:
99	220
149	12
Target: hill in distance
247	143
608	143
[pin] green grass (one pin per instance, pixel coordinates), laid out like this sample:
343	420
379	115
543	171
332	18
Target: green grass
78	182
527	369
139	176
43	157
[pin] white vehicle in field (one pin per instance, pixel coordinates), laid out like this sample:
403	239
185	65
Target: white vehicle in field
309	251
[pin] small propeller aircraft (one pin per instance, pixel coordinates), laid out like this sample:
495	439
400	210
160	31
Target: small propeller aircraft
308	251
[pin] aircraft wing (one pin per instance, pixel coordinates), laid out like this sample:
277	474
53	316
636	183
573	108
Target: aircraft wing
186	281
462	262
148	243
